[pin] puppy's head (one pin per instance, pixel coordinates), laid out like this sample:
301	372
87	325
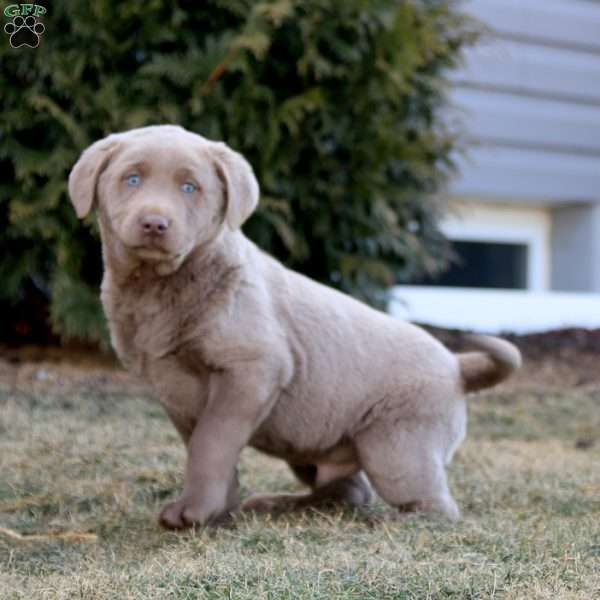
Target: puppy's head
161	191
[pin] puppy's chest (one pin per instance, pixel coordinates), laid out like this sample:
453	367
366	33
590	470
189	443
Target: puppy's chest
150	317
146	329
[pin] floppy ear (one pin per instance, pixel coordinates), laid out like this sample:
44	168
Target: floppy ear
84	175
240	188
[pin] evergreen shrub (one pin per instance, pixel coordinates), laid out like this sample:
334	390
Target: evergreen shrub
337	104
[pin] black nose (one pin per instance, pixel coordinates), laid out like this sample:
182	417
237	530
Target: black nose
154	224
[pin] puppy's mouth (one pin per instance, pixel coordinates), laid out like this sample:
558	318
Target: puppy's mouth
154	253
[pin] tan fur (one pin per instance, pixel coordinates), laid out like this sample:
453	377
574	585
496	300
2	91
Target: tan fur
242	351
496	360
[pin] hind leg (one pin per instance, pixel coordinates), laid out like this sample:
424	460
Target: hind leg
406	468
307	474
353	490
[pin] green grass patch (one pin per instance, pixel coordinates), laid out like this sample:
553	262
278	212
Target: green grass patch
91	458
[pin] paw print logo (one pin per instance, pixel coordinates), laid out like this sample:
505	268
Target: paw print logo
24	31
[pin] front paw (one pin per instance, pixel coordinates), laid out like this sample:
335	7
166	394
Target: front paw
172	516
188	511
184	513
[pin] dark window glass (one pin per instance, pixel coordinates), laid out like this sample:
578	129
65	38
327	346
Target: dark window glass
485	265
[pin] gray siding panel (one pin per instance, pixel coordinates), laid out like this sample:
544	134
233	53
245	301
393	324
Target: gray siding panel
528	175
530	102
533	70
522	121
573	23
573	259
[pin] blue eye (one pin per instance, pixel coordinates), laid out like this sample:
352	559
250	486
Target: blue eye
188	188
134	180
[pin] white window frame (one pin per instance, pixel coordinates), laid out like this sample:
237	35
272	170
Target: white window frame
474	221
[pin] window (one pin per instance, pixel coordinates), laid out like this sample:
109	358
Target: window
485	265
498	246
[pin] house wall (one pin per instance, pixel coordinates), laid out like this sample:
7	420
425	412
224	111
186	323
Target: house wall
576	248
529	97
494	311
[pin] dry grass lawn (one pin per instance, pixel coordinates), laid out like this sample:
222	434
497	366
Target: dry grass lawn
89	452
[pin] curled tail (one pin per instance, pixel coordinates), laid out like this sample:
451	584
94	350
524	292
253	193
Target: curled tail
494	361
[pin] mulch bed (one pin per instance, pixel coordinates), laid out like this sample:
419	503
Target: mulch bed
563	357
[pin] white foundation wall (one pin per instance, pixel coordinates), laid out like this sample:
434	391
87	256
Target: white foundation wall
495	311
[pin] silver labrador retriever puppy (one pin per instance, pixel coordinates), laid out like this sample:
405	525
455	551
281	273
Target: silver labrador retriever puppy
242	351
